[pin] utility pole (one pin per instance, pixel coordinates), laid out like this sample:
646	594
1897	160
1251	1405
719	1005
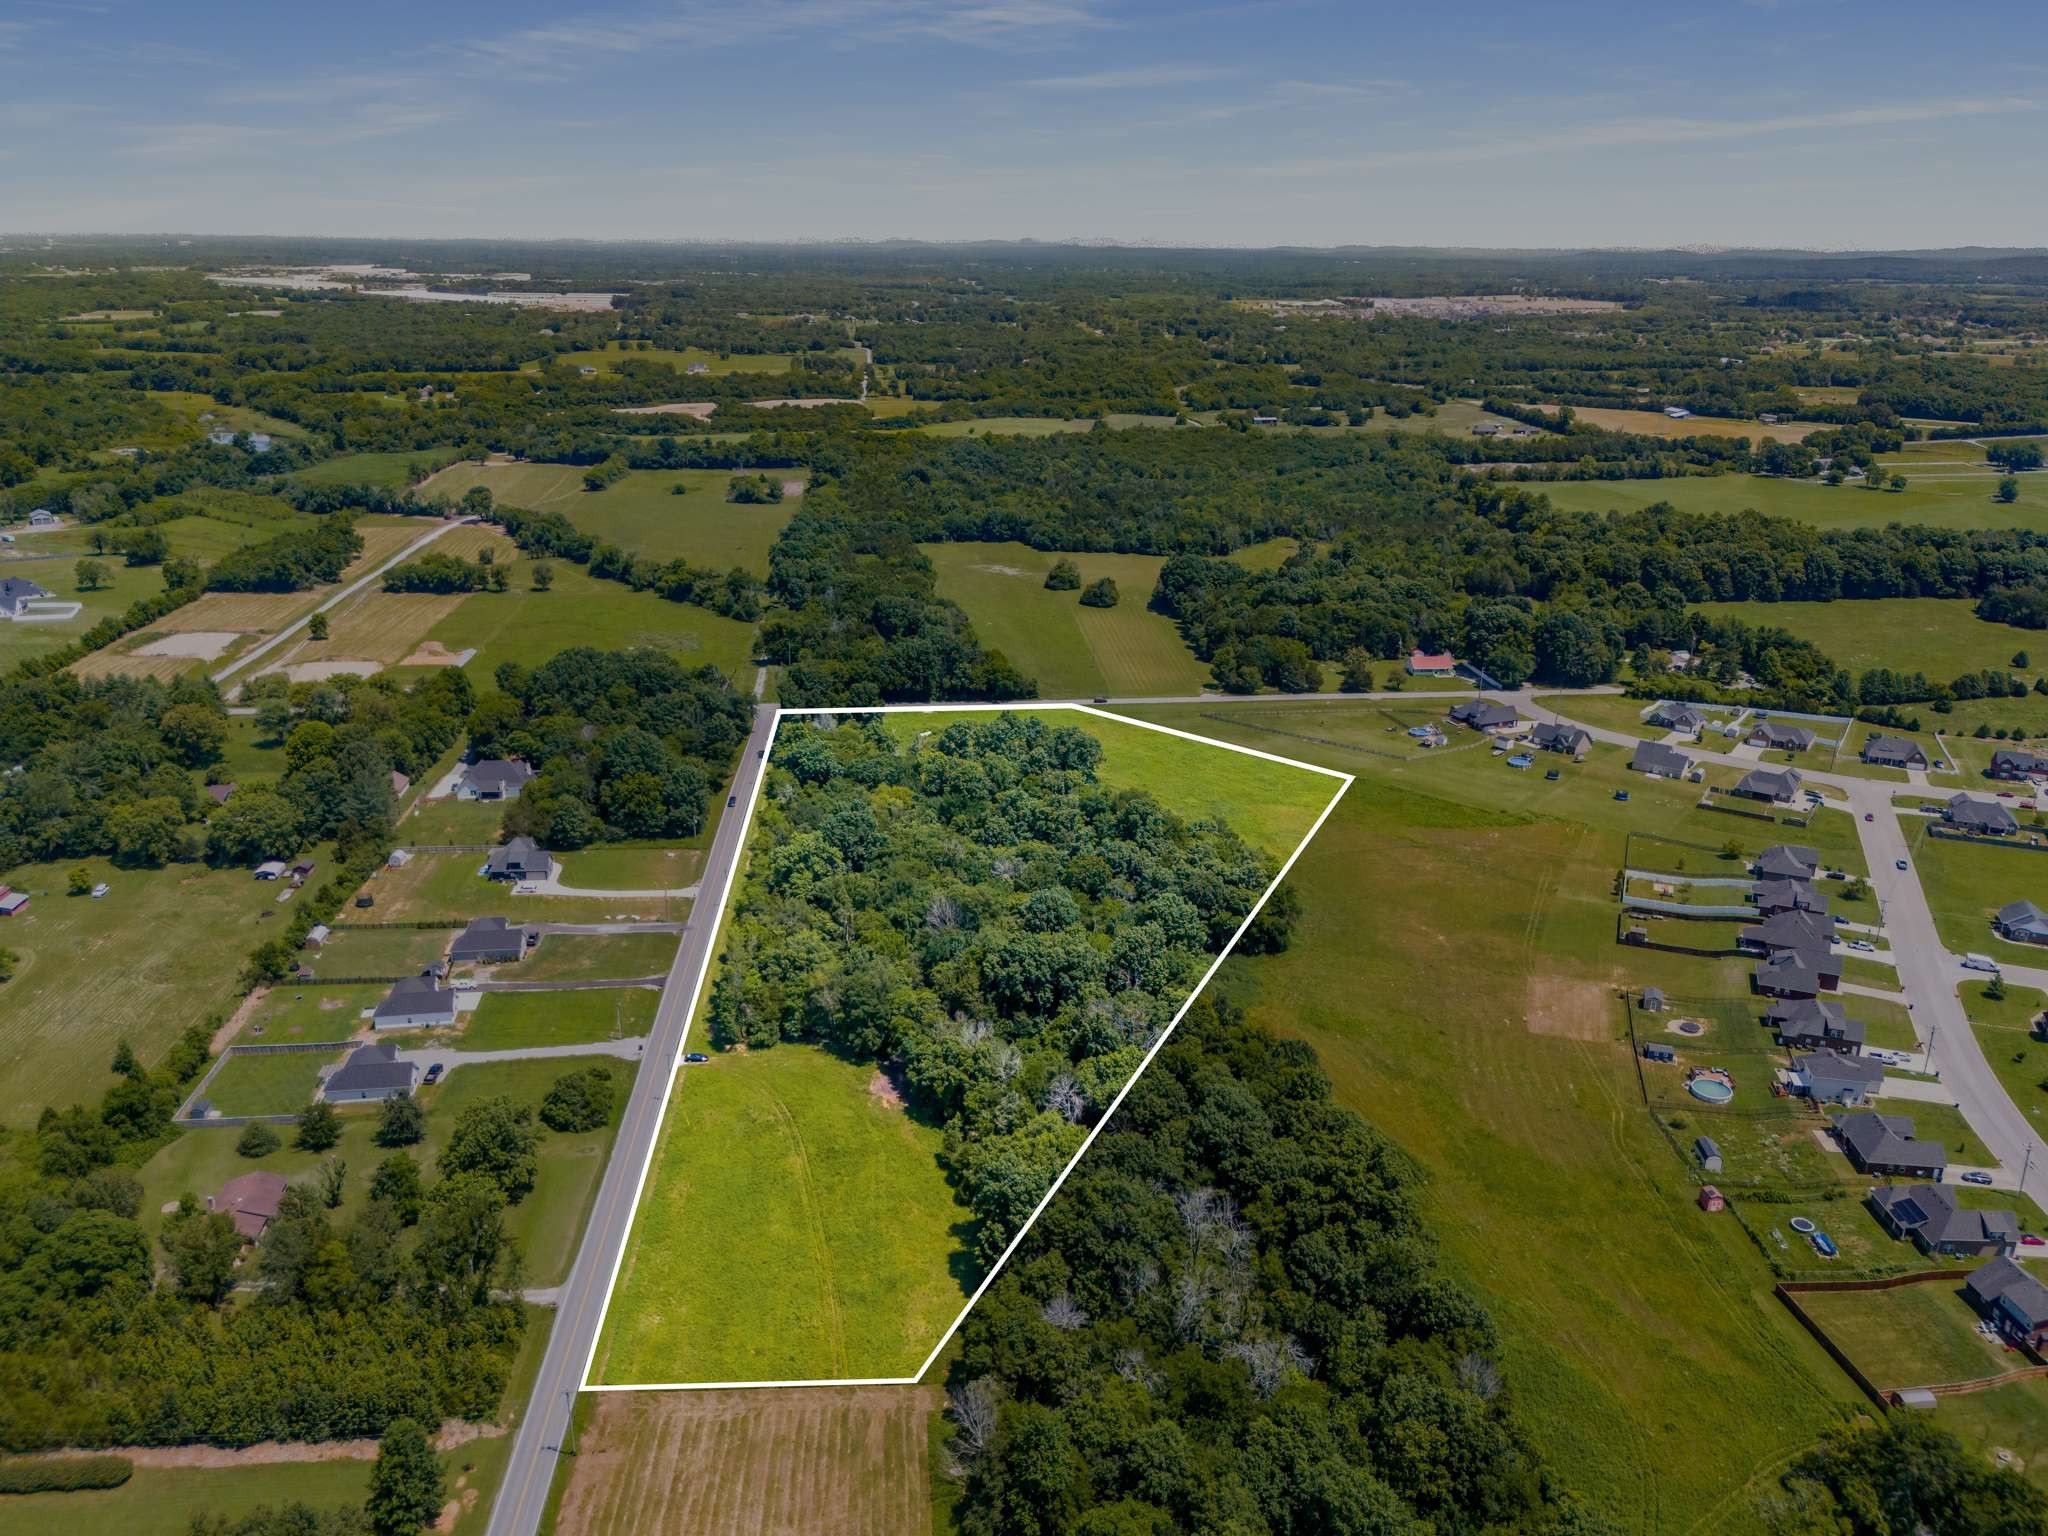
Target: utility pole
1933	1034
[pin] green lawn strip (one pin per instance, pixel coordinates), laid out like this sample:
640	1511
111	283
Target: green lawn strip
290	1013
1554	1193
671	866
169	1501
1870	973
267	1083
2011	1417
2021	1062
1888	1026
449	887
379	951
392	470
159	952
1607	711
2016	1008
795	1224
509	1021
606	359
439	823
1072	650
1966	883
1958	501
1909	1336
592	957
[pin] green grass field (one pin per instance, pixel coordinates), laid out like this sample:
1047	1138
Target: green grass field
797	1225
1072	651
606	359
159	952
1966	882
593	957
292	1014
451	887
167	1501
1939	636
1958	499
1032	426
2011	1418
668	868
641	512
124	586
514	1021
267	1084
1911	1336
528	627
379	951
393	469
1551	1191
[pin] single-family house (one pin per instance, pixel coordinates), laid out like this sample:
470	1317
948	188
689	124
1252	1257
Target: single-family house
374	1071
698	368
1707	1152
1814	1024
1797	973
271	869
250	1200
16	593
1930	1215
1893	752
218	793
1557	736
495	778
1787	861
1772	896
520	859
415	1002
2022	922
1678	717
1884	1146
1660	761
2012	1301
1775	785
1779	736
1423	663
1486	429
1791	928
1831	1077
399	784
1485	715
1981	818
491	941
43	517
2013	763
1677	412
12	902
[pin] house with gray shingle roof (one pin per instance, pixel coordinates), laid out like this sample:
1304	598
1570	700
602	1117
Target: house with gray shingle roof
1834	1077
1936	1221
495	778
1660	761
2012	1301
16	593
1893	752
2022	922
490	941
1776	785
2013	763
1779	736
1677	717
1485	715
1557	736
371	1072
1815	1023
1787	861
415	1002
1984	818
520	859
1884	1145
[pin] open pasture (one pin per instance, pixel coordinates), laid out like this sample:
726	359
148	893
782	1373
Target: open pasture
392	469
1953	501
1657	424
1942	637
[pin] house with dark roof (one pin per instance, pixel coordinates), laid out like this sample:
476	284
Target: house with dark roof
1677	717
2012	1301
1893	752
415	1002
1660	761
1769	896
2022	922
520	859
1931	1216
491	941
1776	785
1787	861
372	1071
495	778
1485	715
1815	1023
1982	818
250	1200
1884	1146
1778	736
1831	1077
1791	928
2013	763
219	793
1557	736
1797	973
16	593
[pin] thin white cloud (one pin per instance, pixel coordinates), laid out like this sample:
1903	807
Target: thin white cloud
1139	77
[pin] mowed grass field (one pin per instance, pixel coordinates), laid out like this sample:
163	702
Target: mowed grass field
641	512
1942	637
158	952
796	1225
1910	1336
1958	499
267	1083
1966	883
1071	650
1456	968
833	1462
167	1501
517	1021
124	586
391	469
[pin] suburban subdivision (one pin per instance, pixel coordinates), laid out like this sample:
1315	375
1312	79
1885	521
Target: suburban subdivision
1019	887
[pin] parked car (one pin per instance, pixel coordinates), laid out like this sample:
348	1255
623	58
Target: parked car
1621	794
1976	1176
433	1074
1898	863
1976	962
1553	774
1102	698
2029	1240
1863	946
697	1057
366	901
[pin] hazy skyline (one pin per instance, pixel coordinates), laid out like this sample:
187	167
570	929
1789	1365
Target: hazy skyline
1815	123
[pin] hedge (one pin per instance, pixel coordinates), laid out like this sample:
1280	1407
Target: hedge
63	1474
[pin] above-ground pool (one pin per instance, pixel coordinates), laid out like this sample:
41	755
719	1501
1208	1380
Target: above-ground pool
1710	1090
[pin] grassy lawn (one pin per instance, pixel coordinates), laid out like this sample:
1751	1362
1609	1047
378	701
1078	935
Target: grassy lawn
280	1083
1911	1336
607	868
2017	1009
641	511
593	957
528	627
1657	424
450	886
398	468
1609	712
2012	1417
1072	651
1967	882
380	951
1939	636
606	359
1943	1123
1034	426
290	1014
1554	1195
168	1501
453	821
511	1021
1954	500
1889	1026
795	1224
1848	756
158	952
124	586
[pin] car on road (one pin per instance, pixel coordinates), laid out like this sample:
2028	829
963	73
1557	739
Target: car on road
2029	1240
1867	816
1898	863
1976	962
433	1074
2005	794
1976	1176
1863	946
1102	698
696	1056
731	801
464	984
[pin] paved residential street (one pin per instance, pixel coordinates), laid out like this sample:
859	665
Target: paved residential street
536	1444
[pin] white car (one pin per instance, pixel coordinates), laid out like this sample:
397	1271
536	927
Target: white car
1863	946
526	888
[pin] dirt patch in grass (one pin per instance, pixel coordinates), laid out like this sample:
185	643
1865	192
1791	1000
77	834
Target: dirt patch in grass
342	666
1567	1008
432	653
701	409
886	1086
203	644
454	1432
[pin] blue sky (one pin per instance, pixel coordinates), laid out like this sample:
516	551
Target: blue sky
1802	122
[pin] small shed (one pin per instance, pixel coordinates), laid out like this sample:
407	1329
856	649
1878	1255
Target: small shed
1709	1155
1636	935
1653	999
1711	1199
13	902
1657	1050
1916	1397
270	869
316	936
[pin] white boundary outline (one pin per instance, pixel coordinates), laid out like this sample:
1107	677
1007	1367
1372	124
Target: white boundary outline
724	897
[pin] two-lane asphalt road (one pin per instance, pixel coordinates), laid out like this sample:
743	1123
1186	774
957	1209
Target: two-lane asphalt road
537	1441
